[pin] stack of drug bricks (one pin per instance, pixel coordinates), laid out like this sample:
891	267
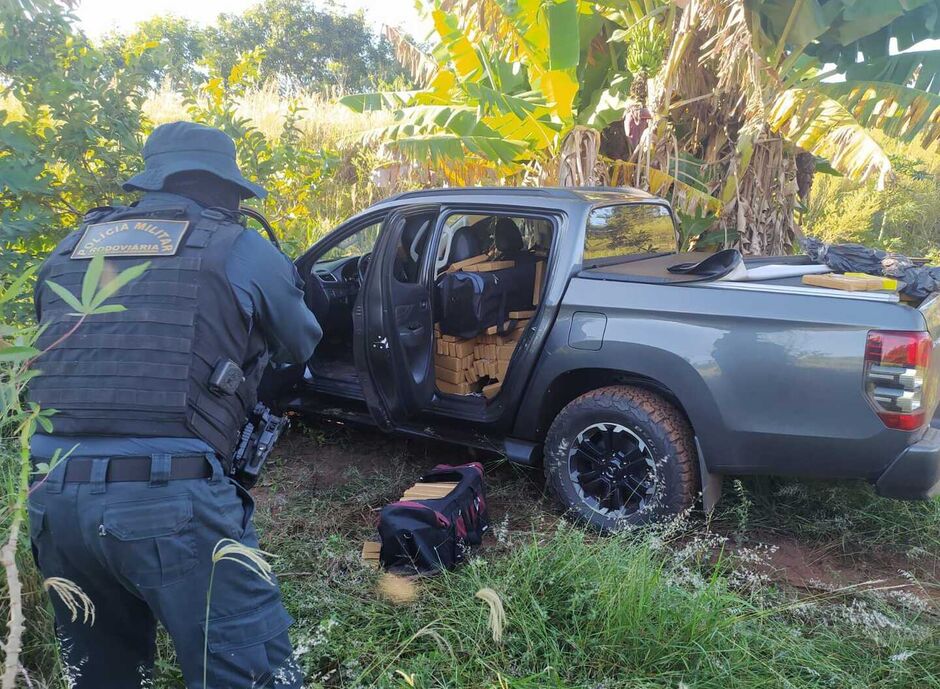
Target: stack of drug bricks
464	366
478	364
419	491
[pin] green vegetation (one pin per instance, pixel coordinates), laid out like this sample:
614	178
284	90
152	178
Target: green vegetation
617	612
75	122
724	107
511	93
682	605
512	99
304	46
849	514
16	424
905	217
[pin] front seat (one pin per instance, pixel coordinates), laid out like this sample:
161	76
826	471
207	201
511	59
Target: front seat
315	298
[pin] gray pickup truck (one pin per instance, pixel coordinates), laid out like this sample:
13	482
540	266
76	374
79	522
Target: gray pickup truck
634	387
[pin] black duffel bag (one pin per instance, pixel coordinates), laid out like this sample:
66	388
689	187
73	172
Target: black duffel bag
470	302
426	536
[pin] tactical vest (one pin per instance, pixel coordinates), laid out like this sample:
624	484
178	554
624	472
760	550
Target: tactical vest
144	371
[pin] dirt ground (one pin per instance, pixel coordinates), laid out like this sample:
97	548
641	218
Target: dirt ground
329	482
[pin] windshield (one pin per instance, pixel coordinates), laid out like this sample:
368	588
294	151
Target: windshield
354	245
635	228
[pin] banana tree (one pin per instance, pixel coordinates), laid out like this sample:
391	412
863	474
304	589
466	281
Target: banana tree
517	89
727	106
745	88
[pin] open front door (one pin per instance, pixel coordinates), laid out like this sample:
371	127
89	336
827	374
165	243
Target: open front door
393	321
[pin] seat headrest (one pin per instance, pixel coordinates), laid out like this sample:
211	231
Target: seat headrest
465	244
507	236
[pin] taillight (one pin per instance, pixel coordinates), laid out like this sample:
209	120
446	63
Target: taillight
895	370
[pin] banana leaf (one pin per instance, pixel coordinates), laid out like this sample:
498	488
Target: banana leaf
824	127
901	112
919	69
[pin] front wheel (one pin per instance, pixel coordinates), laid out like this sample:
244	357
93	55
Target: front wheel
621	456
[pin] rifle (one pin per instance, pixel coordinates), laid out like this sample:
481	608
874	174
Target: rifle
257	439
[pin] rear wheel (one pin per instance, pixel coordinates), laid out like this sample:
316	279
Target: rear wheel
620	456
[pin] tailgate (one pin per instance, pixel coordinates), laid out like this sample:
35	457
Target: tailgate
930	310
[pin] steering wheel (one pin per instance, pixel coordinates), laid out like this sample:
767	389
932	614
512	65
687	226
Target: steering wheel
316	297
362	267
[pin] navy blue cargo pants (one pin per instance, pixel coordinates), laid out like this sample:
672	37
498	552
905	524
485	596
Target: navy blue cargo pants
142	552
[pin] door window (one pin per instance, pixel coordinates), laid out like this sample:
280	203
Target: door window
466	235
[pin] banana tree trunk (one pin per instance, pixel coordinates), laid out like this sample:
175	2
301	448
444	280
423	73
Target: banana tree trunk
805	172
578	164
759	219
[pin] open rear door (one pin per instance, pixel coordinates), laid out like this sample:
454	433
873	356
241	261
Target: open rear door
393	320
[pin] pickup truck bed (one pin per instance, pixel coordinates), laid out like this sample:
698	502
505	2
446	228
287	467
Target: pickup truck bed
654	269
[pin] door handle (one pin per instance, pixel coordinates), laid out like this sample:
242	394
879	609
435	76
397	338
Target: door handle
423	304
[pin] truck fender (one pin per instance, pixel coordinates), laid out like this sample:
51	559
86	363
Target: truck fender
562	374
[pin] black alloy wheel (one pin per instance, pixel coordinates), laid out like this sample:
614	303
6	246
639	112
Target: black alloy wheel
612	469
621	456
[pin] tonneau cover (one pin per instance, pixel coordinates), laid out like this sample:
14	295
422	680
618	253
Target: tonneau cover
655	269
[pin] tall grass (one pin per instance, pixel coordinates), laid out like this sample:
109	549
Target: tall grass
324	122
628	611
847	512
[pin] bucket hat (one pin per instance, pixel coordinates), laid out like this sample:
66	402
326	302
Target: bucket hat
185	147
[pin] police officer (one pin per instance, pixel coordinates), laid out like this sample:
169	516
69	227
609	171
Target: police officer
132	515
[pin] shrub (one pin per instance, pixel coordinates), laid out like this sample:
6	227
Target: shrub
905	217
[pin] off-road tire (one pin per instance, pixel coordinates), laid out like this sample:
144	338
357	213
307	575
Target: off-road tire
650	417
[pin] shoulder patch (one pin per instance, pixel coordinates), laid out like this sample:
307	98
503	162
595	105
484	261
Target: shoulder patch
131	237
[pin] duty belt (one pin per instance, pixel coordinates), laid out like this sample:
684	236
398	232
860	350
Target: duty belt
137	468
